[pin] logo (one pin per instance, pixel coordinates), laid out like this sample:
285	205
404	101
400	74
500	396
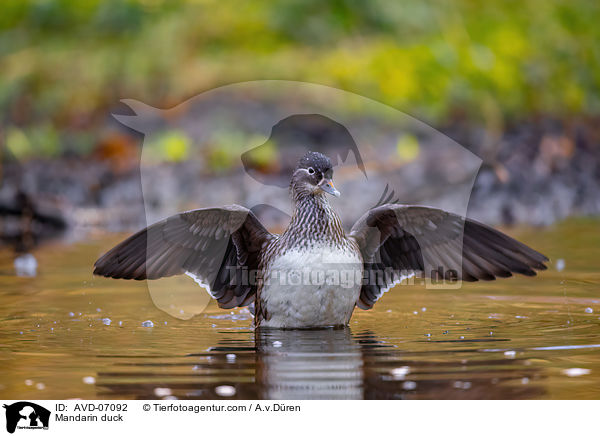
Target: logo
246	140
26	415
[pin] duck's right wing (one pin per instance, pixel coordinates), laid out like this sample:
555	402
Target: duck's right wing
218	247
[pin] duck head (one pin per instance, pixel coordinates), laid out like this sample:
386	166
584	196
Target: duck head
313	176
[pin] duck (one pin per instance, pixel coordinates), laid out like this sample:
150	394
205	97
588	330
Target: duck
315	274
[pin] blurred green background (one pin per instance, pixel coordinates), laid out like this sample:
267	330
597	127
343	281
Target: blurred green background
65	64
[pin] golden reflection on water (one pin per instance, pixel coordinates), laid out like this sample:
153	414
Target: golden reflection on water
515	338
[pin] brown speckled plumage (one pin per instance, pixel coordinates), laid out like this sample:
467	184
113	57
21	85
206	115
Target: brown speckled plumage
314	223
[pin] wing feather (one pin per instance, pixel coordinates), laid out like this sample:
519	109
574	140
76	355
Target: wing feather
208	244
423	239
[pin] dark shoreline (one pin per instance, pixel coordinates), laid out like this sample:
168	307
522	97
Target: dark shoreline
537	174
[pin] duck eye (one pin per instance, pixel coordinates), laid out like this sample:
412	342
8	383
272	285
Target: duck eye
311	170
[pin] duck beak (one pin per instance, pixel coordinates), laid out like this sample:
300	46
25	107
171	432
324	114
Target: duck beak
327	186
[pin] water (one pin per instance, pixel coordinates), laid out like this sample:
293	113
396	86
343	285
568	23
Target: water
512	339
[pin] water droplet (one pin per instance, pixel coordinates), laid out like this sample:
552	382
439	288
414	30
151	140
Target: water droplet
231	357
415	313
423	309
225	391
71	314
409	385
462	337
40	386
459	384
26	265
576	372
589	310
98	310
29	382
510	353
560	264
525	380
148	323
106	321
89	380
162	392
400	373
427	335
277	344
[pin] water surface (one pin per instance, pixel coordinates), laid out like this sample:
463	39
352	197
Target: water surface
520	338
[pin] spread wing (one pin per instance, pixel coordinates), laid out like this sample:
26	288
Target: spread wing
214	246
396	240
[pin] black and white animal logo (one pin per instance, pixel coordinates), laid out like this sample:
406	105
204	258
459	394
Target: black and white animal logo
26	415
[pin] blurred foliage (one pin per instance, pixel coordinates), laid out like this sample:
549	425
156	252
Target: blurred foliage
169	145
407	148
226	145
65	63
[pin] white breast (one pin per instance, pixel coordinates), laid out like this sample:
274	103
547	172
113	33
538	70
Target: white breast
311	288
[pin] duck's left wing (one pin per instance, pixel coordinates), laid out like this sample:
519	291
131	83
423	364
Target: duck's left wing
218	247
396	240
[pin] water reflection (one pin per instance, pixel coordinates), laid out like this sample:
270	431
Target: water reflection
318	364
